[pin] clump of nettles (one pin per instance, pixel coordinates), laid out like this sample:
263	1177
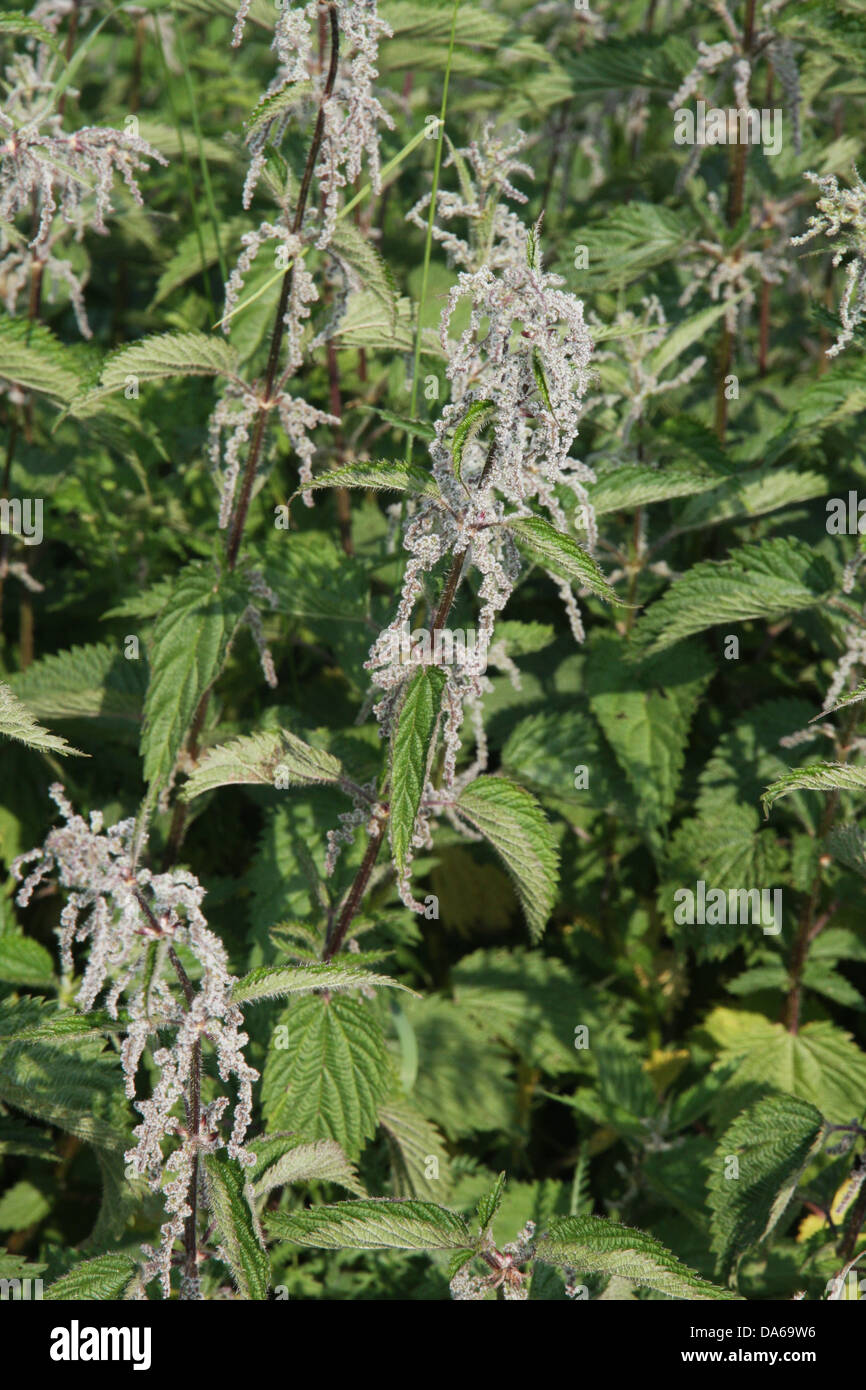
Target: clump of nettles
351	114
523	363
132	921
53	179
841	217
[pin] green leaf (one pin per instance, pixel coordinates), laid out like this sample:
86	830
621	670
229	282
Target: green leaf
489	1204
190	643
638	485
528	1001
377	1223
825	979
264	759
33	359
412	1142
544	750
386	475
645	714
17	722
56	1067
195	253
767	580
465	1077
104	1278
617	64
164	355
477	417
751	494
275	981
631	240
410	755
847	843
24	962
773	1142
817	777
326	1071
320	1162
687	332
278	103
541	380
237	1227
515	825
362	258
92	682
560	554
594	1245
821	1063
311	577
22	1205
16	22
419	429
853	699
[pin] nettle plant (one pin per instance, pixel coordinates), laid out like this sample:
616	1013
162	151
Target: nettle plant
480	714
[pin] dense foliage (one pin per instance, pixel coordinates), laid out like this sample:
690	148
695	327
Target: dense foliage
431	649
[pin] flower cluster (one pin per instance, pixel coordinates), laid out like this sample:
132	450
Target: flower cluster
842	213
505	1271
728	60
497	237
732	275
55	178
133	920
350	119
641	335
351	114
521	366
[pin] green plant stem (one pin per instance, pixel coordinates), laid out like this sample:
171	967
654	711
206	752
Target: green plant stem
71	36
166	76
205	172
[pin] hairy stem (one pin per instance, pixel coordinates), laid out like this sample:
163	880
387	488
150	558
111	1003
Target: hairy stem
279	328
356	892
808	926
179	815
341	495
